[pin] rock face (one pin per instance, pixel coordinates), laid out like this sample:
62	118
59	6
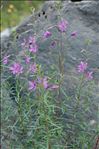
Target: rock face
83	17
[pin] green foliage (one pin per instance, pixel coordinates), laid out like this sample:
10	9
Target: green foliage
14	11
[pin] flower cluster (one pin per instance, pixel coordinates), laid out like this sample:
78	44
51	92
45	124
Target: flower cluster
16	68
82	68
38	95
32	85
30	44
43	82
62	26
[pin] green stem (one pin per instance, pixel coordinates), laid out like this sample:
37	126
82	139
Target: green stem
61	57
79	91
19	106
47	128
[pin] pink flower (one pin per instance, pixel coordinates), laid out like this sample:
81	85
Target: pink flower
74	34
27	59
33	68
5	59
62	26
88	75
32	85
47	34
32	45
46	85
16	68
45	82
32	40
33	48
82	66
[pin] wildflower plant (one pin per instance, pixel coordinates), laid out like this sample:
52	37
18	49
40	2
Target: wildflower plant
45	115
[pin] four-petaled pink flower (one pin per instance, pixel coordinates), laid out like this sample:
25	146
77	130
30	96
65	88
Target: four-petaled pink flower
32	85
89	75
33	68
47	34
62	26
5	59
27	59
82	66
74	34
16	68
